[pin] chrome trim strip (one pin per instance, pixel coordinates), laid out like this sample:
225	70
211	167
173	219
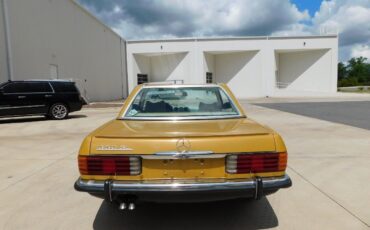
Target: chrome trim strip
149	85
185	155
183	185
20	107
182	118
190	153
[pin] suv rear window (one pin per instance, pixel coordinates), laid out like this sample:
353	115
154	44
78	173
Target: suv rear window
64	87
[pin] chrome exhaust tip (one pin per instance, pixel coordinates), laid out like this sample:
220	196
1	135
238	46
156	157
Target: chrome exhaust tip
131	206
122	206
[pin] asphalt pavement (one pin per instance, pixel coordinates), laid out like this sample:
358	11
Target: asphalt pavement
354	113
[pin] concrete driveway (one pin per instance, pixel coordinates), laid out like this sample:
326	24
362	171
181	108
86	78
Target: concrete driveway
329	166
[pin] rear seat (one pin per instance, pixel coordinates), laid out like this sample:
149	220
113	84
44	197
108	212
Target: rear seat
158	107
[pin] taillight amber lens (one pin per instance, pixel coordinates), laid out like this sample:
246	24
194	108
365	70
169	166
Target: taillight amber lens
256	163
109	165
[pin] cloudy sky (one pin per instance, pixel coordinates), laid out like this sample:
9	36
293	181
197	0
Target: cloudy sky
149	19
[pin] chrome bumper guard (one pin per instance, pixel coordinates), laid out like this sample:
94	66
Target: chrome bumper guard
258	185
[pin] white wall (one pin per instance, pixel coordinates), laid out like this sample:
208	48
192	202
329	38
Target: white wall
169	67
141	65
326	73
241	71
209	64
305	70
60	32
162	67
248	65
3	63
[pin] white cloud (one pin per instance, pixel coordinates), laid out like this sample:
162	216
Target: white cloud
150	19
296	29
117	9
351	19
188	18
361	50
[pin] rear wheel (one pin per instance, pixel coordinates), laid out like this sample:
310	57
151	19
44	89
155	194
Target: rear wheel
58	111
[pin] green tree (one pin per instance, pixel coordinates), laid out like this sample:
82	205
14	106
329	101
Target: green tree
356	72
358	69
342	71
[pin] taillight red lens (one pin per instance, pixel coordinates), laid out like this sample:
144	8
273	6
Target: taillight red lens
256	162
109	165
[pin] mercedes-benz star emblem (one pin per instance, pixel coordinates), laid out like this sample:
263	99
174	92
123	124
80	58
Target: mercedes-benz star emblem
183	145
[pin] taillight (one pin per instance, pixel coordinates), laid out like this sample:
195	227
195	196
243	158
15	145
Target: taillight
109	165
256	163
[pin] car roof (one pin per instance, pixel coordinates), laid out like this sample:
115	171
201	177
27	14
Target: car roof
176	85
43	80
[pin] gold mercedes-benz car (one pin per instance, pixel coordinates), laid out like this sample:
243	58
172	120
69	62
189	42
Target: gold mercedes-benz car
181	143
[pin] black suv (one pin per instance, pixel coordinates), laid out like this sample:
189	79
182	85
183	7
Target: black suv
54	99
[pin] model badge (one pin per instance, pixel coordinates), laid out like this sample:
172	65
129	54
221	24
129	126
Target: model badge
113	148
183	145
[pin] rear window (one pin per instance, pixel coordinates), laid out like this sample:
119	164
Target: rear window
64	87
27	87
182	102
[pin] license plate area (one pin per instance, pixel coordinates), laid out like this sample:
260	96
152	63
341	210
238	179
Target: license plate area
184	168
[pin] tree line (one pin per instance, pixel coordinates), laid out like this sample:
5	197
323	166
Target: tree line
356	72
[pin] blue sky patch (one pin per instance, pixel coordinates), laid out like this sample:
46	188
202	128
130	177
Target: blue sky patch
311	5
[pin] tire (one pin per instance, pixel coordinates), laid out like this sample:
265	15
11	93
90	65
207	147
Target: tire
58	111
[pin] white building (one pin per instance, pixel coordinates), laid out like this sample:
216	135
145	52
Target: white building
46	39
60	39
251	66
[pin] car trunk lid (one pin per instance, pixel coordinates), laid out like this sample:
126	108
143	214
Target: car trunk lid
148	138
186	128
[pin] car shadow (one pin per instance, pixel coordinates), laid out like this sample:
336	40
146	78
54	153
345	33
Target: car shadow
76	116
236	214
35	118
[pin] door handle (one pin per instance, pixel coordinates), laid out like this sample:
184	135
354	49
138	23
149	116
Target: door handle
47	95
21	97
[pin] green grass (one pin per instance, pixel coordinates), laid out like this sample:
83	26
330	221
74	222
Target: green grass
357	91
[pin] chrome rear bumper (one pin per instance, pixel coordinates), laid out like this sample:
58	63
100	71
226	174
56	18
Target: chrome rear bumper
254	187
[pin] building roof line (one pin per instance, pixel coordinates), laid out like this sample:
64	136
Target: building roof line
96	19
232	38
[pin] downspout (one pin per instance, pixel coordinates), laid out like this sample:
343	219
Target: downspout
7	40
126	70
121	64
